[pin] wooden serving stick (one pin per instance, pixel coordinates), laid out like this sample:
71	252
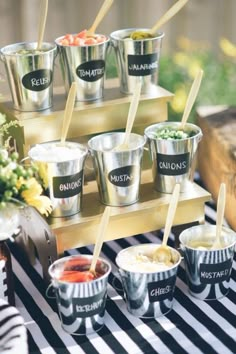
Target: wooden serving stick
42	22
220	215
100	237
131	116
70	102
166	17
191	98
101	14
163	253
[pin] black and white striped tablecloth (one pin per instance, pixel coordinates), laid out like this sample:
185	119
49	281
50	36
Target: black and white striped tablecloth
193	326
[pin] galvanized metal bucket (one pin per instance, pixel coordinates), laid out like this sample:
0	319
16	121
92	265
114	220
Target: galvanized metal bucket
208	271
148	294
84	65
172	160
118	173
62	175
137	58
30	74
81	305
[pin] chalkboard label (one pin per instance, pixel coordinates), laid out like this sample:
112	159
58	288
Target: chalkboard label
124	176
173	165
91	70
37	80
142	65
215	273
161	290
89	306
67	186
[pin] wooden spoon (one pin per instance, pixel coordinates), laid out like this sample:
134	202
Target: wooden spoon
163	253
101	13
131	116
220	215
70	102
100	237
191	98
166	17
42	22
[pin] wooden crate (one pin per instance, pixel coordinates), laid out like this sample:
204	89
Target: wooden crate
217	154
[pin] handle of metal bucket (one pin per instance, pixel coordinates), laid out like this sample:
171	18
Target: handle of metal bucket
115	279
181	252
89	155
2	57
50	286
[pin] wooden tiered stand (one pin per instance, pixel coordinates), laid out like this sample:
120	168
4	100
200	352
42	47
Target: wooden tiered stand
109	114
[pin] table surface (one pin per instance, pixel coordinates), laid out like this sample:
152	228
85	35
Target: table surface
192	326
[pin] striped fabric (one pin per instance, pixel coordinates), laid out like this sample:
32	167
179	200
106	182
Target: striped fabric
13	334
193	326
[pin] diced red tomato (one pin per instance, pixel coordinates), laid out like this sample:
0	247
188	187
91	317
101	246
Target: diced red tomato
81	39
90	40
82	34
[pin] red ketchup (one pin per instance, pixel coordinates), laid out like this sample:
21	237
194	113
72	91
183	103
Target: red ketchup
77	271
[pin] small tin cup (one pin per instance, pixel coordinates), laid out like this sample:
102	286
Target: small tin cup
208	270
84	65
118	173
81	305
148	294
137	58
61	169
30	74
172	159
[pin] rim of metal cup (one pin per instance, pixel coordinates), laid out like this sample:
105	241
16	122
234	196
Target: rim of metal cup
82	46
79	256
149	272
209	228
118	35
104	135
158	126
82	147
11	49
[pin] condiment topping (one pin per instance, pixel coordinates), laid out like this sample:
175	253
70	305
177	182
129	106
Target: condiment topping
140	259
140	35
82	39
173	134
77	271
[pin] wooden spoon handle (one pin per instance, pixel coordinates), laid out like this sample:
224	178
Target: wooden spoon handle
168	15
42	22
101	13
70	102
191	98
100	237
171	213
220	210
132	111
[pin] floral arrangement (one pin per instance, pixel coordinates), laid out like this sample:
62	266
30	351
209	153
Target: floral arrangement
18	184
5	126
